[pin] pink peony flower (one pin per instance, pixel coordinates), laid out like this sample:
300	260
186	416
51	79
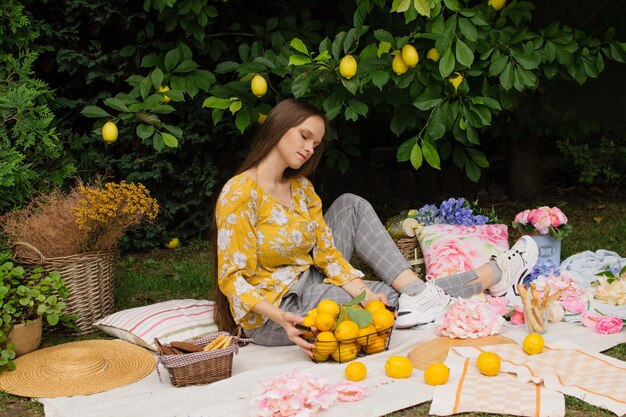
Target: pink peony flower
609	324
469	319
572	305
522	217
293	394
448	257
573	299
348	391
590	319
499	304
518	317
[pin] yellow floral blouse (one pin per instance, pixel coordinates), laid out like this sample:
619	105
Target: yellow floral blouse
263	246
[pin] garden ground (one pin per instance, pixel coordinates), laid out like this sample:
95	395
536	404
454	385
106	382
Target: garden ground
598	219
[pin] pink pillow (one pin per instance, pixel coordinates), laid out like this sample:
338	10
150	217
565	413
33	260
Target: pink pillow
451	249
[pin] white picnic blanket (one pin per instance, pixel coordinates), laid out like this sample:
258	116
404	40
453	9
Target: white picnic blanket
253	365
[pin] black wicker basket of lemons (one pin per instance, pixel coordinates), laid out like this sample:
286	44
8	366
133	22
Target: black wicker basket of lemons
343	332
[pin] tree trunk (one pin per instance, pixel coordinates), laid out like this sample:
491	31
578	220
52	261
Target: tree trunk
524	165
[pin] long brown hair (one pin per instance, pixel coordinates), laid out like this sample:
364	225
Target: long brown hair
284	116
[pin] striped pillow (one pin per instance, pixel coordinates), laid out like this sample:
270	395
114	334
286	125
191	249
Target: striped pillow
168	321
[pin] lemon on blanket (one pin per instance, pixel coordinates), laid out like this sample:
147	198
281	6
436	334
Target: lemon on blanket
436	374
488	363
398	367
356	371
533	344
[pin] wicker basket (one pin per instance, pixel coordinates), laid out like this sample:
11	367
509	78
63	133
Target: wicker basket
201	367
366	345
89	277
410	249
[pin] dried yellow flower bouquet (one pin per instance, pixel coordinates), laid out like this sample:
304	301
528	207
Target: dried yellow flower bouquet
89	218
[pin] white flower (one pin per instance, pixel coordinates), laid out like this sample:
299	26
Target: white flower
333	269
284	275
240	259
223	238
296	235
260	237
232	218
278	216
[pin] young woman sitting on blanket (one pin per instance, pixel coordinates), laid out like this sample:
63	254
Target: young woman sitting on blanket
278	256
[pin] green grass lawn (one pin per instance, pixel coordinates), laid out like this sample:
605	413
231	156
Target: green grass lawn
147	278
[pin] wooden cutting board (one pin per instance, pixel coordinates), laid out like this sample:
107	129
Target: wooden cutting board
436	350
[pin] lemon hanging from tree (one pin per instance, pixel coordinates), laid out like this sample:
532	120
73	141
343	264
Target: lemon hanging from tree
347	67
258	85
163	89
398	65
410	56
433	54
109	132
456	80
173	243
497	4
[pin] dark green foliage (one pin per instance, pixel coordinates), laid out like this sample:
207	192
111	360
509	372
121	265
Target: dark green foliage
32	157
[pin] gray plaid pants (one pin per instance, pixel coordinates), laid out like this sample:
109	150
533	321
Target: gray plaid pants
356	227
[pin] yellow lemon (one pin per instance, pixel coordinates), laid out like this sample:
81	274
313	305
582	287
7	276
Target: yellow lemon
410	56
382	319
109	132
308	321
398	65
345	352
258	85
374	305
533	344
375	343
356	371
162	89
347	67
324	322
347	330
398	367
319	356
261	119
456	80
312	312
497	4
433	54
328	306
364	333
325	343
436	374
488	363
173	243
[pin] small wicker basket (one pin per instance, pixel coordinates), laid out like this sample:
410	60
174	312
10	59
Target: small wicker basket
409	248
201	367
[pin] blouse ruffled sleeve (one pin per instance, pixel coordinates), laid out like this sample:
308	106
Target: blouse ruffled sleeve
235	215
326	256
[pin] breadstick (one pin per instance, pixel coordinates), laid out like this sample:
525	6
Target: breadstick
538	313
214	343
555	296
535	294
528	308
545	297
224	343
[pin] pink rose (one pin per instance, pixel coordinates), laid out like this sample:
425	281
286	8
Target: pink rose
540	219
590	319
557	216
518	316
522	217
609	324
448	257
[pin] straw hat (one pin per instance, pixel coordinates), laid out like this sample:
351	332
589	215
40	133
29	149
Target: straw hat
77	368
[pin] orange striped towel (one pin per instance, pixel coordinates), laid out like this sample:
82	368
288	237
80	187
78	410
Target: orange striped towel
467	390
565	367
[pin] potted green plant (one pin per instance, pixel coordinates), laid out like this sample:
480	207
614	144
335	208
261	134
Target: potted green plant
27	297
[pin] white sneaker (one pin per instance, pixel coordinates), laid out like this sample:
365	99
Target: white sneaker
515	264
422	308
